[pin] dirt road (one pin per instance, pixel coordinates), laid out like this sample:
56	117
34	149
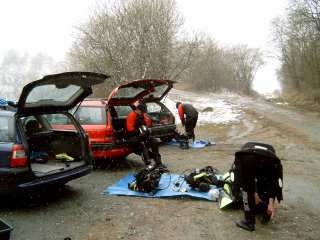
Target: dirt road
80	211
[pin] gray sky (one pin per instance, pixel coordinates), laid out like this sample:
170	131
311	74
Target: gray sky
48	26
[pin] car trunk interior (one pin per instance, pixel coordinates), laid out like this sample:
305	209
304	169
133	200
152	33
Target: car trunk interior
55	151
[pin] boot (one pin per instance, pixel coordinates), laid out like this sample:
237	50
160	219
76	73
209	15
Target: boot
244	224
248	222
249	212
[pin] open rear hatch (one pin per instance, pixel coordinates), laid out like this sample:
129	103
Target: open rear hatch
143	90
137	90
56	142
57	92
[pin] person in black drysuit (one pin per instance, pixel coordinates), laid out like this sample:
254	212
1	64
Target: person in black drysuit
259	173
139	138
189	117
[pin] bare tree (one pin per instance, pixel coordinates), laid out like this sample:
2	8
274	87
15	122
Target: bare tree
17	70
298	38
216	68
133	39
245	62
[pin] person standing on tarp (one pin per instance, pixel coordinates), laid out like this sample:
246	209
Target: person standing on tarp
259	173
137	126
189	117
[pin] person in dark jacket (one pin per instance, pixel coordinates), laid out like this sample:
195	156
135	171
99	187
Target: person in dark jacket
137	125
259	173
189	117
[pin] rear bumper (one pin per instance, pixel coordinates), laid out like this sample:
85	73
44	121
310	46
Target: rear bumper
59	178
110	150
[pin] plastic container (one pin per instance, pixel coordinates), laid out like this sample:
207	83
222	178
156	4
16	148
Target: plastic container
5	230
214	194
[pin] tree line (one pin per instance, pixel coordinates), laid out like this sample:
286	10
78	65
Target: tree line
133	39
297	36
18	69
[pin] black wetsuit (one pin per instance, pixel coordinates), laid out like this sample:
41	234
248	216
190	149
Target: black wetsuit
258	170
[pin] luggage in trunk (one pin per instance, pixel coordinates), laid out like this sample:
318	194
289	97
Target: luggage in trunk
55	151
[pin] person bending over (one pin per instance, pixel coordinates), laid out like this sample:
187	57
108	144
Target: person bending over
189	117
259	174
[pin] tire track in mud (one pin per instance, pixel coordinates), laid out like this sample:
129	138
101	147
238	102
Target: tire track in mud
298	123
236	134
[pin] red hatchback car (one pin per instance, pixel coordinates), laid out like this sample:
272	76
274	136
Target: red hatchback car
104	120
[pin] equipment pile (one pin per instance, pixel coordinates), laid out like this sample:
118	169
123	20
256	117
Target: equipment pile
147	180
202	179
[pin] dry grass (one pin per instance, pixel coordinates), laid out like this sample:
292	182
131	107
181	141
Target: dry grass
309	99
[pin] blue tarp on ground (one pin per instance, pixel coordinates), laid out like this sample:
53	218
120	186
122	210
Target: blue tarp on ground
167	186
196	144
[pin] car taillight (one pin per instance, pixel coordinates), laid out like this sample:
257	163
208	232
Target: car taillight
19	157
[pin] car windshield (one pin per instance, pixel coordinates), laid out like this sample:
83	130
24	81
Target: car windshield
56	121
6	129
91	115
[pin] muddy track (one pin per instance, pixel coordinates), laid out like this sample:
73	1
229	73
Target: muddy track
81	212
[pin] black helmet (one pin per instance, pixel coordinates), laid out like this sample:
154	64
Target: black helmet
142	107
177	104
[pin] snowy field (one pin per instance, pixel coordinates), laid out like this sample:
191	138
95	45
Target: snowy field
212	108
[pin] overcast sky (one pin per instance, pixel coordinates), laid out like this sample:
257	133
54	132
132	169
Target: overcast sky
48	25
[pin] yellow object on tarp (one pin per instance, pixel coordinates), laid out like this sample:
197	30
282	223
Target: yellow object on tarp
224	200
64	157
200	175
226	176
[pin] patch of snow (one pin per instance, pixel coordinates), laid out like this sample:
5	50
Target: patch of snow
282	103
222	111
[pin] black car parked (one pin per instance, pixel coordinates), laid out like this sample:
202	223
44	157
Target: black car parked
34	150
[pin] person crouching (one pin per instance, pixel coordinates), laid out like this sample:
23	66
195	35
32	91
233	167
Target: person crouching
137	126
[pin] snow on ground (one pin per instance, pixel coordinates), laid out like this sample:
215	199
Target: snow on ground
217	109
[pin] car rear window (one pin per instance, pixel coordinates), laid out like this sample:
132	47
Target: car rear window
51	95
91	115
123	111
6	129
